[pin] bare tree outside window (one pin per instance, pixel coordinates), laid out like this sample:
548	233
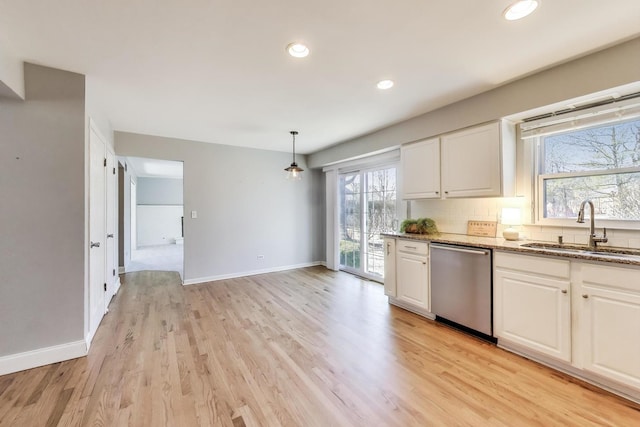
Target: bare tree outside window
367	208
601	163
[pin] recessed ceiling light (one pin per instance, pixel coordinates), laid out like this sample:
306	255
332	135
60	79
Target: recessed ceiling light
297	50
520	9
385	84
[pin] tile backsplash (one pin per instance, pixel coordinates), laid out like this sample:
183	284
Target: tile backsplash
451	216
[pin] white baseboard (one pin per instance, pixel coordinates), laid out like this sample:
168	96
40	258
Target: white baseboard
89	339
43	356
116	286
250	273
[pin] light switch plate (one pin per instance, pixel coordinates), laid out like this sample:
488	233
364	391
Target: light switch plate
194	214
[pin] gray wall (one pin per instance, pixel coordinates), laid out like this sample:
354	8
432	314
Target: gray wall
159	191
42	189
609	68
245	206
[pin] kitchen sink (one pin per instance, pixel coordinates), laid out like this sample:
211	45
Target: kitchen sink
603	252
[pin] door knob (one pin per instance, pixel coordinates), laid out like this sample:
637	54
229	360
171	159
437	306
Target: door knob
95	244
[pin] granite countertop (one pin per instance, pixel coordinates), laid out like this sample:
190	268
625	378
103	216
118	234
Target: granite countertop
515	246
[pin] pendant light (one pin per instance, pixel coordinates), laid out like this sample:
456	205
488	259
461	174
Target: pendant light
294	172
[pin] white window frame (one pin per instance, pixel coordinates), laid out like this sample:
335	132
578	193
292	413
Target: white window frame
390	157
536	130
362	171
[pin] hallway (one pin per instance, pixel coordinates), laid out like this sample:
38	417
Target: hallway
158	258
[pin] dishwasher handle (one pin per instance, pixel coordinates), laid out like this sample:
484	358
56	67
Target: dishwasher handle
457	249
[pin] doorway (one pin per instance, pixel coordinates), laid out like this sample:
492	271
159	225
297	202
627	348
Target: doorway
368	206
155	215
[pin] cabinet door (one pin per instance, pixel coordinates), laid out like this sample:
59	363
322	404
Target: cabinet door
421	169
412	279
610	321
534	312
390	267
471	162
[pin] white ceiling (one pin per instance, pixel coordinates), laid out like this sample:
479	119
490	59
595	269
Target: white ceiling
217	71
154	168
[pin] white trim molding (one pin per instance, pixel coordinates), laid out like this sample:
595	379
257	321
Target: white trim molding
43	356
117	286
250	273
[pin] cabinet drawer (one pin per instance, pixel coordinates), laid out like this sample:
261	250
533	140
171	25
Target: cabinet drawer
411	246
618	277
533	264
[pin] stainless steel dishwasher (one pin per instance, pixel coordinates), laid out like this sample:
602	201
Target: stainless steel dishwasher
461	289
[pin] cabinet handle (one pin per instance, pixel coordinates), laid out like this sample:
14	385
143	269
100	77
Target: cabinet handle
446	192
437	192
564	291
585	296
388	248
109	236
424	262
411	247
458	249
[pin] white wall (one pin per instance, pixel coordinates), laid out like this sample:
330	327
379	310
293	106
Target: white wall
11	75
159	210
160	191
158	224
95	110
42	189
124	221
245	206
451	216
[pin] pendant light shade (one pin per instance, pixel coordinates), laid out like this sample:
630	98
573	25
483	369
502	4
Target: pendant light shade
294	172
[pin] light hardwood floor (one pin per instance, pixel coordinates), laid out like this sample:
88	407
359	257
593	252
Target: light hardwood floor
307	347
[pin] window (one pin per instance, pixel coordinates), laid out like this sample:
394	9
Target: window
368	206
600	162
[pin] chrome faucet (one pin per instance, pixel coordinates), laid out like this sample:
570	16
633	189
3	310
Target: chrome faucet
593	239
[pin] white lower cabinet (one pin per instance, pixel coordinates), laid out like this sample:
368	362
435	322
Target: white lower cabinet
584	315
390	267
412	280
412	275
609	322
532	304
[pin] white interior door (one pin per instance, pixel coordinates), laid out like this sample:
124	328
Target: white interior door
134	217
97	231
111	218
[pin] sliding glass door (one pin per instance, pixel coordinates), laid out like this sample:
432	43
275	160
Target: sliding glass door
368	206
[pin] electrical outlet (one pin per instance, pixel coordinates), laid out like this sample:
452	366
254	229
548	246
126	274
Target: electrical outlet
260	257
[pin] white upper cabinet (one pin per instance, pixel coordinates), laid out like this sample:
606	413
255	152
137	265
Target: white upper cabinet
421	169
479	161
